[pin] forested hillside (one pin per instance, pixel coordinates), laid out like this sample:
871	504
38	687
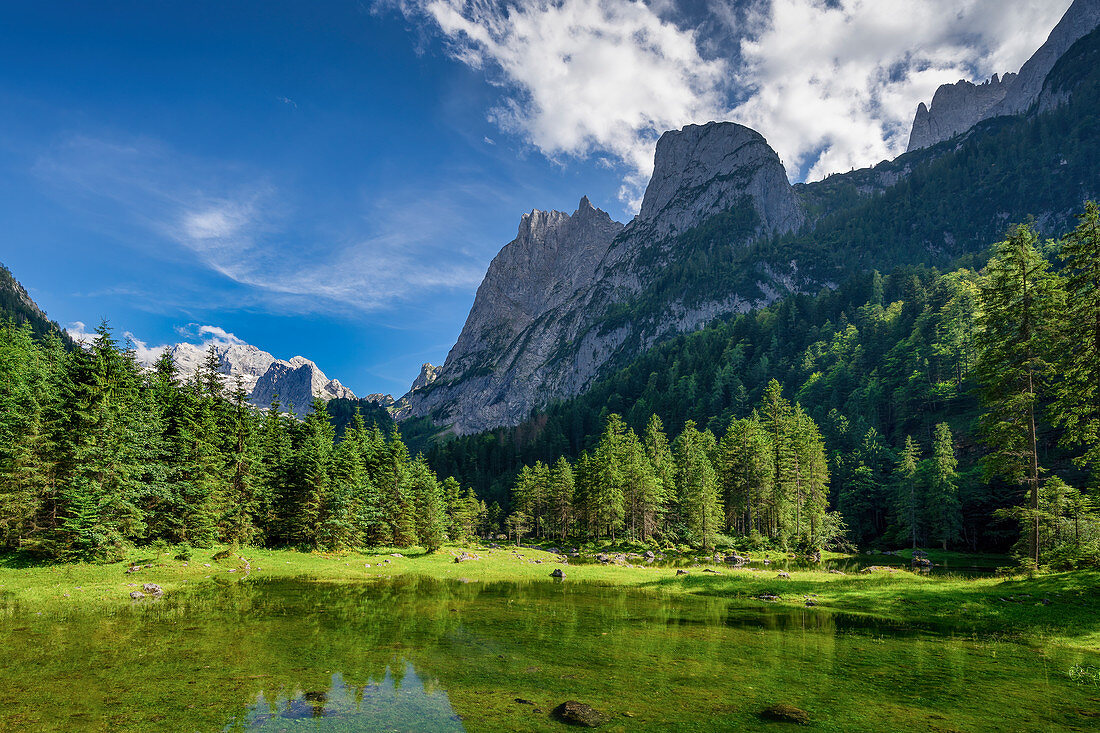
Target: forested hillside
16	305
899	373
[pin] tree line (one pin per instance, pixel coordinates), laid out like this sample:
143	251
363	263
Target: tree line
97	454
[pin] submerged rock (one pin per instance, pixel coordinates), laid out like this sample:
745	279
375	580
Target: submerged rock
577	713
784	713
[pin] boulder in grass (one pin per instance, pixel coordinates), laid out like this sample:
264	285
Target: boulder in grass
466	556
137	595
557	573
576	713
153	589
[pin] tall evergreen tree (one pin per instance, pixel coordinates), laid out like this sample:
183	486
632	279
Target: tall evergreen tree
1019	298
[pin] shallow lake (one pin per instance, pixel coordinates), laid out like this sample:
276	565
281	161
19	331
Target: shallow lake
417	654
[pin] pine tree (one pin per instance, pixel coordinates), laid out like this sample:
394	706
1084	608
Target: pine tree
942	493
429	506
908	500
562	487
697	486
1019	297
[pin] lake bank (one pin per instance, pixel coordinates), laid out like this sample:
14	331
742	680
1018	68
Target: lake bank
1060	608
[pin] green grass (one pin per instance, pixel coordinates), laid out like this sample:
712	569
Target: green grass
1061	608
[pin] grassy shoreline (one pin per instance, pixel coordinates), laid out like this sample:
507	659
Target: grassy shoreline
1060	608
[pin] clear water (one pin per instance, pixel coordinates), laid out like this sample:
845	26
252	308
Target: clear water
416	654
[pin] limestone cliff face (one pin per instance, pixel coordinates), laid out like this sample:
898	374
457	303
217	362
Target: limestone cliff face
955	109
958	107
1081	19
702	170
537	331
296	382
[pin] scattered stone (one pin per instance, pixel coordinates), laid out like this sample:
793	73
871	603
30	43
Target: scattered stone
153	589
783	574
811	602
367	565
681	571
397	554
834	571
133	569
467	556
708	570
649	555
557	573
784	713
206	564
768	597
137	595
577	713
736	559
521	701
879	569
603	558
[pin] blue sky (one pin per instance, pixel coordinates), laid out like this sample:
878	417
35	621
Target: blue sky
331	179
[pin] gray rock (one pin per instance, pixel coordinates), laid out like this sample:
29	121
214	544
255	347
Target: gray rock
137	595
955	109
153	589
577	713
681	571
557	573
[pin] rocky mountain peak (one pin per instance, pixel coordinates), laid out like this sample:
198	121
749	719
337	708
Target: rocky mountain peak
428	374
702	170
957	107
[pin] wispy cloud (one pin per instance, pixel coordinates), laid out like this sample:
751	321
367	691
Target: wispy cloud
832	84
241	225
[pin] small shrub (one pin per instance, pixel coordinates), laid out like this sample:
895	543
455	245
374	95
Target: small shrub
1085	675
183	552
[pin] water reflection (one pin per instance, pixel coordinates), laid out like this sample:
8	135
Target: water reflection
397	702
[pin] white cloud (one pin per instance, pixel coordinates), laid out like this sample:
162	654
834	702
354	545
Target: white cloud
832	84
584	76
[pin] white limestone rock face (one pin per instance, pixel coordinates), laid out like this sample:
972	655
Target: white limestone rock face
538	329
428	374
702	170
296	382
243	360
957	107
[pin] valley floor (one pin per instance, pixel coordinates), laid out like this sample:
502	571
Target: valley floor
1058	608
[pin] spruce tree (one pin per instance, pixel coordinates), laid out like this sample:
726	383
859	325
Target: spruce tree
1019	298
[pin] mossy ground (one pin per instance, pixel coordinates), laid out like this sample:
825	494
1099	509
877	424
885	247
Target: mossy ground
1060	608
